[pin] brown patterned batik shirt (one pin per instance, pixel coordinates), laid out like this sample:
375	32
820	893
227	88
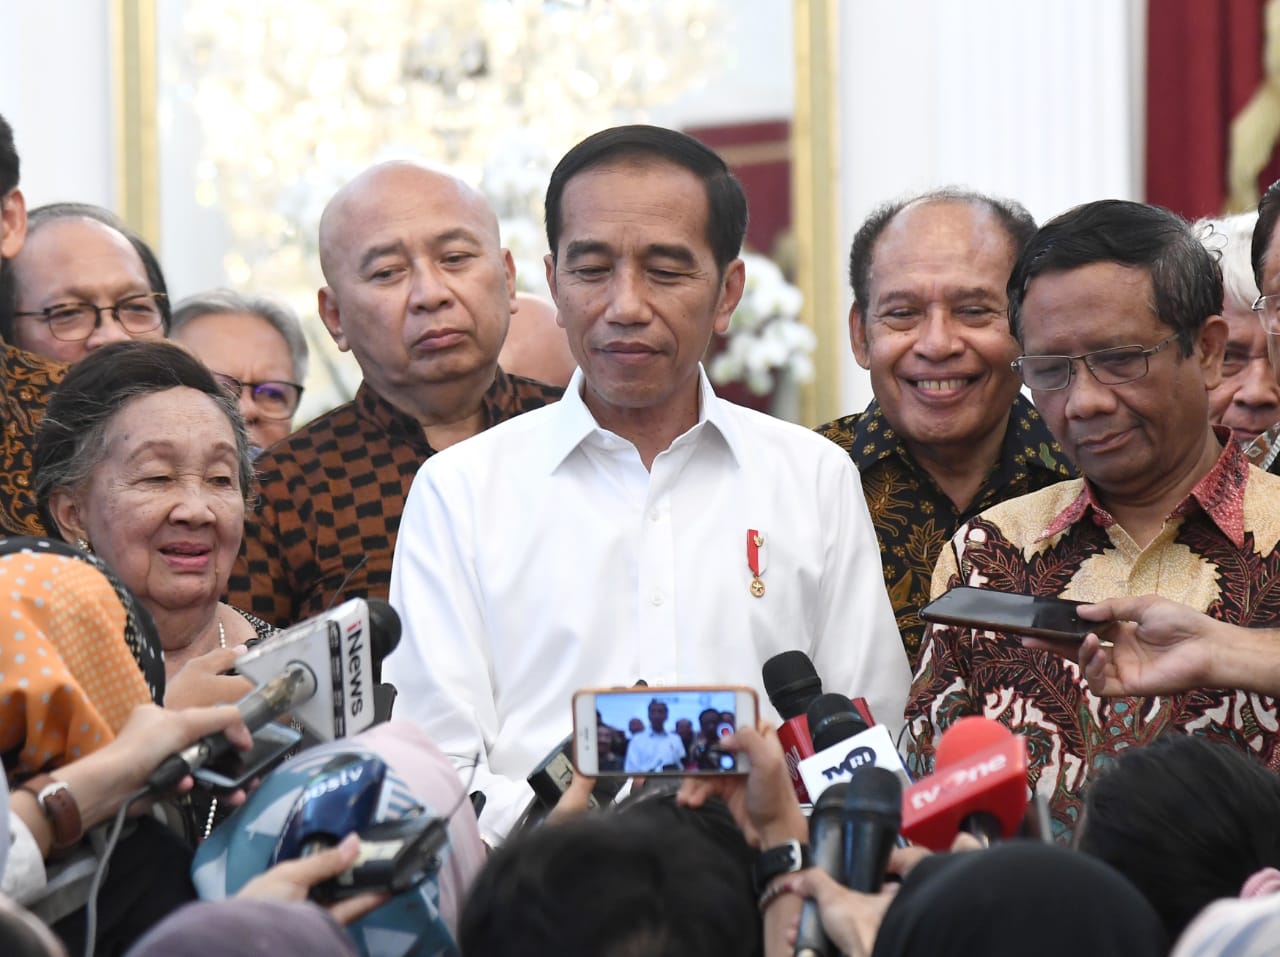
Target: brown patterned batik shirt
26	382
1217	553
330	499
914	518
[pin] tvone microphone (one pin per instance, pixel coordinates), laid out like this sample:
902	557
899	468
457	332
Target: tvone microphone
873	814
827	851
792	685
340	647
981	790
842	744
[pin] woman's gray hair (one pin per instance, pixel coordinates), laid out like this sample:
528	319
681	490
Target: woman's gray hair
71	441
218	302
1229	239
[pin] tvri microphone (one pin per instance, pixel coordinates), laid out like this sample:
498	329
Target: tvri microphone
321	670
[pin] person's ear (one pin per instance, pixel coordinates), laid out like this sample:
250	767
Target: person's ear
64	506
1210	346
13	223
731	287
549	262
331	316
858	337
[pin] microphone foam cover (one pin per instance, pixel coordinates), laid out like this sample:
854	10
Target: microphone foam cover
791	683
832	720
966	737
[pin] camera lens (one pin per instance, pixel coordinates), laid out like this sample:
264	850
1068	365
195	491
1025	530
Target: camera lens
726	762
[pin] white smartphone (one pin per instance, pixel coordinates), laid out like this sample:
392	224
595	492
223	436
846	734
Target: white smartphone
660	731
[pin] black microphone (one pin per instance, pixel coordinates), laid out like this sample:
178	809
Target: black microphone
259	707
832	719
873	814
792	685
826	849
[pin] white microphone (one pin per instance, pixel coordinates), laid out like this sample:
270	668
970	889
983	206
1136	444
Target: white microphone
339	649
838	762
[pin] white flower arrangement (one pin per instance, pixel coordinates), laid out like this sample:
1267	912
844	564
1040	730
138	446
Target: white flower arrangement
767	341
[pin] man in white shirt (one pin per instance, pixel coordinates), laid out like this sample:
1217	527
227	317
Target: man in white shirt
642	528
656	748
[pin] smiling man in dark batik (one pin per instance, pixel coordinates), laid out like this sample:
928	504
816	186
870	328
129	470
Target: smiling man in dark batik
947	434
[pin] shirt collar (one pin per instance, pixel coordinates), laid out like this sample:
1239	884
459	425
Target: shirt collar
874	439
577	424
498	404
1219	494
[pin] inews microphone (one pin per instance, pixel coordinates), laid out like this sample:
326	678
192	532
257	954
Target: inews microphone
979	785
827	851
793	684
842	744
340	648
317	669
873	814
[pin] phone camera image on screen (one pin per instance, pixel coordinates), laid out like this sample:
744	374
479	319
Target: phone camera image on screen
665	731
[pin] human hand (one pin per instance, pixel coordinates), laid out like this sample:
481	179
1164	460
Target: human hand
851	919
201	682
1153	646
574	802
152	733
293	880
762	802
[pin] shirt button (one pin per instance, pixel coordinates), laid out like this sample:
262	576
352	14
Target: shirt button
657	598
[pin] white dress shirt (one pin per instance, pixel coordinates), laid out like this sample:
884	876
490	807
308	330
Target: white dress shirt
652	751
540	557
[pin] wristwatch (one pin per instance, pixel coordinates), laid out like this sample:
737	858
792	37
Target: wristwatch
59	806
783	859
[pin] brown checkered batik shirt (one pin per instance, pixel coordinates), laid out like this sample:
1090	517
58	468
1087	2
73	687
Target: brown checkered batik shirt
332	493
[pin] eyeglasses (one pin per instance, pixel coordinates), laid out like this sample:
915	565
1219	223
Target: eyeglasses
1268	310
1109	366
75	321
275	400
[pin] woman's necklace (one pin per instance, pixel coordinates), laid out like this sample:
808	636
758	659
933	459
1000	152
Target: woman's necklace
213	803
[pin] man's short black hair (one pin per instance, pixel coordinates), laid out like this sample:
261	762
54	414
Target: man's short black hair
1016	222
1268	213
1185	277
9	165
726	201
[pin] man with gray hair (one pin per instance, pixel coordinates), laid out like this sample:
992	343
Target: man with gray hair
947	434
256	349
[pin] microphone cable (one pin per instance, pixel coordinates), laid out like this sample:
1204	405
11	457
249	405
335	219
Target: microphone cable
113	838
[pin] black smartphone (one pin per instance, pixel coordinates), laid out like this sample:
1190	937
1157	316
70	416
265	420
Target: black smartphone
1039	617
236	768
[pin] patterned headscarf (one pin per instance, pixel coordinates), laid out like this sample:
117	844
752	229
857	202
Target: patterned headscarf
68	681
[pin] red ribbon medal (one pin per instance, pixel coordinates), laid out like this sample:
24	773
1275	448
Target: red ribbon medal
756	561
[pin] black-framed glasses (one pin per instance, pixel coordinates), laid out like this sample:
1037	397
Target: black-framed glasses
75	321
1268	310
1114	366
275	400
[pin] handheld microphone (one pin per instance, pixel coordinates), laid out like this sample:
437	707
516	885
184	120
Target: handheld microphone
979	785
873	814
341	648
827	851
843	743
284	692
792	685
551	778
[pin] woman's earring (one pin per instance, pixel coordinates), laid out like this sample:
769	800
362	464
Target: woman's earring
84	546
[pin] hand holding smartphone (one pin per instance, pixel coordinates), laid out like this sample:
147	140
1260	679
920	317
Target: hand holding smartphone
660	731
990	610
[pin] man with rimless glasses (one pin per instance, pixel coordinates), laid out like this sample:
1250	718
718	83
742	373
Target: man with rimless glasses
256	349
1117	308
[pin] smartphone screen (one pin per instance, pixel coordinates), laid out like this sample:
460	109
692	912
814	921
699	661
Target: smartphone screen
1039	617
660	731
235	768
